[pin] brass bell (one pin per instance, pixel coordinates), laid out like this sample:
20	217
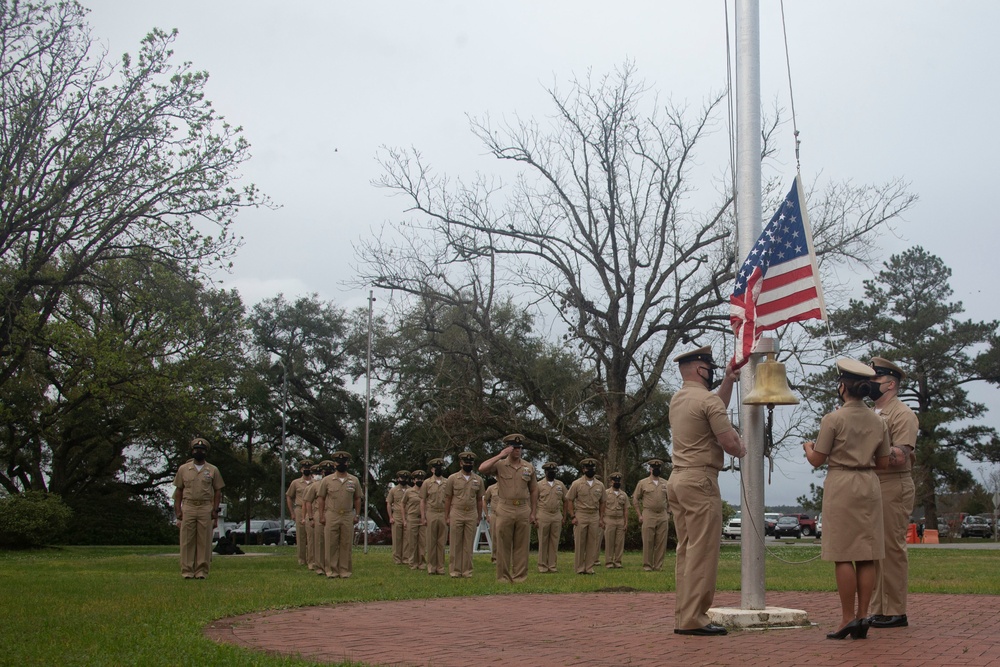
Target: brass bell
771	385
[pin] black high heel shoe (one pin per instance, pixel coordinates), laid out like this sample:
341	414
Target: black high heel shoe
853	629
862	629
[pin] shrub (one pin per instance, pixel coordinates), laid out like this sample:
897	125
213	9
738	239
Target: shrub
32	519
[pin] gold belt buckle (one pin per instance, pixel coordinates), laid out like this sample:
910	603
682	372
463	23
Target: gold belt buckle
517	502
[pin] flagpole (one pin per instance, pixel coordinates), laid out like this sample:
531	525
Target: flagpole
748	222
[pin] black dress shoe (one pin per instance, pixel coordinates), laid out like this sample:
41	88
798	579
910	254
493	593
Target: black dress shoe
889	621
710	630
856	629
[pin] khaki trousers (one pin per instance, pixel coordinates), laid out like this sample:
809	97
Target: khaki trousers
697	505
318	546
892	573
302	542
436	537
549	530
654	538
614	542
461	536
397	539
512	540
196	538
414	553
586	541
339	536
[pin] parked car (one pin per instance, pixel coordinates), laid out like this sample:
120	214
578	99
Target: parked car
770	518
976	526
262	531
788	526
806	523
271	534
943	528
291	534
733	529
819	526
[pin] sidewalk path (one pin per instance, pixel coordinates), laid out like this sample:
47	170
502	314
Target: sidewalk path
621	628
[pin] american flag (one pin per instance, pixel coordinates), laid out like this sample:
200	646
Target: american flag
778	283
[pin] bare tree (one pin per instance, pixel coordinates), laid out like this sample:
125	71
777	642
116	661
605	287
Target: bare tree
598	234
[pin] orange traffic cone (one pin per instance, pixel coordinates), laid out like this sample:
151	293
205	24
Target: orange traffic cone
911	534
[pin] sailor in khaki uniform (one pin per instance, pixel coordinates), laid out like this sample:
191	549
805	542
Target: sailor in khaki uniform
585	508
414	531
517	489
317	544
339	510
853	442
551	499
616	506
650	499
702	435
197	496
463	505
293	498
432	516
892	572
394	510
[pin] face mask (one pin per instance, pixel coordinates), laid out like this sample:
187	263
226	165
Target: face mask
655	470
467	467
341	467
437	471
198	455
550	475
709	378
420	483
876	392
617	484
589	472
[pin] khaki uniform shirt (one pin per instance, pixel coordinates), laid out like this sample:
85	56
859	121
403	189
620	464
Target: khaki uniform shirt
650	496
340	493
411	504
395	500
550	498
464	492
432	493
851	438
903	427
515	481
199	486
697	416
296	492
586	497
615	505
311	497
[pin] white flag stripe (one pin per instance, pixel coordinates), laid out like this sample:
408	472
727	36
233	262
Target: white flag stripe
786	290
779	315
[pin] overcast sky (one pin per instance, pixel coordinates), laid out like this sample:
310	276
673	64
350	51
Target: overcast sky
882	90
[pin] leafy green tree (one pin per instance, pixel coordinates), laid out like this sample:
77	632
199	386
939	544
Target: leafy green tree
101	162
121	375
598	238
906	315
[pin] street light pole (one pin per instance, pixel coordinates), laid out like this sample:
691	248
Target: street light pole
281	491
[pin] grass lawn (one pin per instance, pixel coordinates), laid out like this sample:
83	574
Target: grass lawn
130	606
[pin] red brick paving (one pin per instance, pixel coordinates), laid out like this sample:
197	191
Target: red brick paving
584	629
